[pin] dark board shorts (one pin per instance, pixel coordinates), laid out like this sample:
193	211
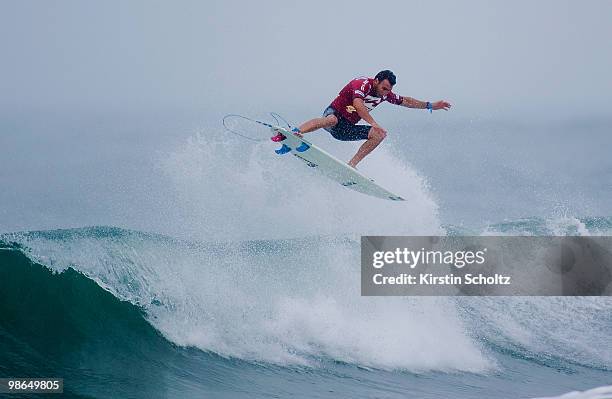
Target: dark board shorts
345	130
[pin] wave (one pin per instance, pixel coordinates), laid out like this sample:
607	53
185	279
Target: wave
563	225
65	325
111	300
287	302
548	331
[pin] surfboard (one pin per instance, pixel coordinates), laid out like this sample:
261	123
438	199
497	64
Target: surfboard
330	166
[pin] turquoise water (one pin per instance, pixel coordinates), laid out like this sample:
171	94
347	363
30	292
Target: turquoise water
144	315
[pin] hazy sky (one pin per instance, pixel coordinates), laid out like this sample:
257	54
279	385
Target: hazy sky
92	91
551	57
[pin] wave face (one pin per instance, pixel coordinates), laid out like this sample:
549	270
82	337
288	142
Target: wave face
146	315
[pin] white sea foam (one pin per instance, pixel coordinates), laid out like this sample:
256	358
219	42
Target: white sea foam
287	302
604	392
233	190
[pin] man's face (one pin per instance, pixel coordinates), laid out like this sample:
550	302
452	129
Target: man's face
382	88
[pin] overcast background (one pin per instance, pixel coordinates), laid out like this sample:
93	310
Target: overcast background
81	82
493	56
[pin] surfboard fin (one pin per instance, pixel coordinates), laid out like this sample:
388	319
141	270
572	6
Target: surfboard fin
283	150
303	147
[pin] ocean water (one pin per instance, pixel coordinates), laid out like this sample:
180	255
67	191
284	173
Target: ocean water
195	265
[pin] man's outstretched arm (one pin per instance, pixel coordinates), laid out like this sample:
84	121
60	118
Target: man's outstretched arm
410	102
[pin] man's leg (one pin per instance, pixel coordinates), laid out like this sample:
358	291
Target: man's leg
310	126
375	137
318	123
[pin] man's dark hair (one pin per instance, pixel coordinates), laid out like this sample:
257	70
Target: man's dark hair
386	74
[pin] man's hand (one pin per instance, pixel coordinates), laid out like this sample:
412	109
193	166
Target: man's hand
440	105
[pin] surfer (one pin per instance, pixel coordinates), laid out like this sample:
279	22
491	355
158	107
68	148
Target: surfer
353	103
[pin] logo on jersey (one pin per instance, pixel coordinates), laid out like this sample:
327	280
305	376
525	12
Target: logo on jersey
371	102
350	109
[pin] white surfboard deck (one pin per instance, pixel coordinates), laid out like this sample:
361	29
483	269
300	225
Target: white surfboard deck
334	168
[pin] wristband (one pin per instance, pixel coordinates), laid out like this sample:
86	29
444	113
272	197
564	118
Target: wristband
429	106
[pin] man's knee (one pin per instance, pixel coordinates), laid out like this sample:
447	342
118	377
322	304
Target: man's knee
377	134
329	121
